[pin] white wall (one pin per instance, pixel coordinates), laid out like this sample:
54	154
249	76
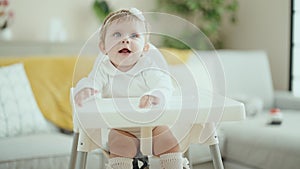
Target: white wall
262	24
144	5
33	19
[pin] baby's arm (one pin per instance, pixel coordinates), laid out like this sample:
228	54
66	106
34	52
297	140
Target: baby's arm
160	85
84	94
89	86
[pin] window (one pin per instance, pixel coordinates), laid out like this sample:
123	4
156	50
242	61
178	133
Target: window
295	48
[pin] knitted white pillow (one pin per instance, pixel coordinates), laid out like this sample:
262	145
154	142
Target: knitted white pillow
19	113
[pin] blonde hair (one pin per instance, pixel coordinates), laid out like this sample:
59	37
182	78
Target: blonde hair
123	13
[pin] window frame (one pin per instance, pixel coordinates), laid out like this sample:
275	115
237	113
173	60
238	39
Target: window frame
292	45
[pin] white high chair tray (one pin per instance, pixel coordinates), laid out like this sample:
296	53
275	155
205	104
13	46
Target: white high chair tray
123	112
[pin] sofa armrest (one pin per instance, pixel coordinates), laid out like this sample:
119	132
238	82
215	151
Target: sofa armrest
286	100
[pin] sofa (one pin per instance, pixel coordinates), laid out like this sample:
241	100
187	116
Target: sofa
45	140
254	143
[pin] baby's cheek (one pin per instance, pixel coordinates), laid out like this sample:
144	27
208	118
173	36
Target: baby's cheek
110	44
140	41
138	46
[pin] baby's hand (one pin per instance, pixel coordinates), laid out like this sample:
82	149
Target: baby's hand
148	100
83	94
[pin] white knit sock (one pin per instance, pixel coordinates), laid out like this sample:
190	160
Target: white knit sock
173	161
119	163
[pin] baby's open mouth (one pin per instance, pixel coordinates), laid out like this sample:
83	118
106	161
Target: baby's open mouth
124	50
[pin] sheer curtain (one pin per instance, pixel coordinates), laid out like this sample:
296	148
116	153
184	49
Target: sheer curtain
296	48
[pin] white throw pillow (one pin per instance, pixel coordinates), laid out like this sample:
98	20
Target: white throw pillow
19	113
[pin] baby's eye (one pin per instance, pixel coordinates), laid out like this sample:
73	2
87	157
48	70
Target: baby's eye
117	34
134	35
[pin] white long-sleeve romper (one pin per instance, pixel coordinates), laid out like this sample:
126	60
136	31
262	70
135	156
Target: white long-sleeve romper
145	78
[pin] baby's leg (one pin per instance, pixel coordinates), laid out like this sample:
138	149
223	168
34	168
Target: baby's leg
123	147
122	144
164	141
165	146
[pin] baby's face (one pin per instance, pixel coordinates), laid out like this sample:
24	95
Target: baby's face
125	42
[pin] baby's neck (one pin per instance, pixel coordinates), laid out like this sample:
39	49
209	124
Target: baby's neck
123	68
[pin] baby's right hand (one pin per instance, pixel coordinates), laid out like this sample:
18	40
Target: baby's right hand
84	94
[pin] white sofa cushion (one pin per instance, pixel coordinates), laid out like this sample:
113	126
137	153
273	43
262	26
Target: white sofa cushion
35	146
19	113
286	100
254	143
248	73
41	151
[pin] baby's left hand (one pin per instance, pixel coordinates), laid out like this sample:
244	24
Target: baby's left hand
148	100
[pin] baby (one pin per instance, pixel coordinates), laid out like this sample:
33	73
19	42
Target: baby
127	71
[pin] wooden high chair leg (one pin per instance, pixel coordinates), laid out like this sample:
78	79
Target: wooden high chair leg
73	157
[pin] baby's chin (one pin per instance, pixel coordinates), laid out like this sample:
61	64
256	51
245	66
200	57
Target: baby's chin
127	64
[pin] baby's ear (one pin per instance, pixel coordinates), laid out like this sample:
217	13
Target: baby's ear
146	47
101	47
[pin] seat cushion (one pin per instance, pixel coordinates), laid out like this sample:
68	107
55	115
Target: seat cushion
256	144
35	146
40	151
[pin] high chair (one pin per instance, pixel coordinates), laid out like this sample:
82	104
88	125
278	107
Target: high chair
88	122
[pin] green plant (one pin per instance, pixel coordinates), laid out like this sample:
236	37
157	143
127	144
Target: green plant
101	9
205	14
